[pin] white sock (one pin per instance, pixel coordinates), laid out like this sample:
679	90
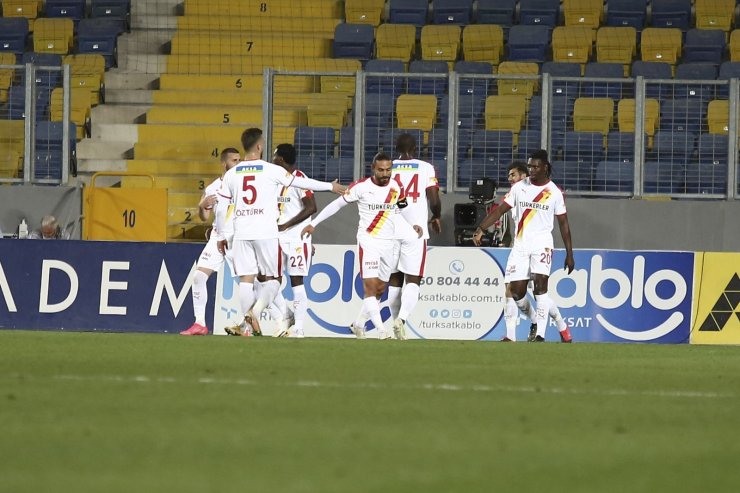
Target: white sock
200	296
409	299
511	317
362	316
394	301
300	305
543	310
267	295
372	307
526	308
246	296
557	317
278	308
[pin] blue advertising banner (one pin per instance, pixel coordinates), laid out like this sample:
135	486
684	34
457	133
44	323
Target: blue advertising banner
89	285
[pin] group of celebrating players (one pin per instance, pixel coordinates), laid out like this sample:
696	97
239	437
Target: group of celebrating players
262	226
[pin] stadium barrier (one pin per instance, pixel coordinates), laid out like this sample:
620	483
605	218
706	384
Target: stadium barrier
612	296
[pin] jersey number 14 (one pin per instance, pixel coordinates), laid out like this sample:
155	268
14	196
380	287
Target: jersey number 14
412	189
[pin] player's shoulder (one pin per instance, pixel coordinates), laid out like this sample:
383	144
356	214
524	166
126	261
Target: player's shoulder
520	185
555	188
300	174
359	183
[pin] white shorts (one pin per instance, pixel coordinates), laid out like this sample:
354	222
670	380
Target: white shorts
252	257
377	258
211	259
296	256
523	263
413	257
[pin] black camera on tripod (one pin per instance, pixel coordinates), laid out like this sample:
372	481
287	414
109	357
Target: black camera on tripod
468	216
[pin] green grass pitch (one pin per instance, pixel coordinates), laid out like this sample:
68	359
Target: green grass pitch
138	413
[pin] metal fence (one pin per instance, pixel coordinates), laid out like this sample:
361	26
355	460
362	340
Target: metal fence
473	125
35	144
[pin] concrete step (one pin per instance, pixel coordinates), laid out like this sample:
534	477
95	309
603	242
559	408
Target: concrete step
104	150
163	22
128	96
116	132
119	113
121	79
150	64
151	42
90	166
158	8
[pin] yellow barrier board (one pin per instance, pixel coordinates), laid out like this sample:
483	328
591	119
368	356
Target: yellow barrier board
126	214
718	304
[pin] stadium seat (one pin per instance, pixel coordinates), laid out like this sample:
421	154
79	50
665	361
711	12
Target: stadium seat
706	178
13	34
528	43
384	84
419	85
654	70
452	11
718	117
49	142
340	168
660	45
616	45
614	176
379	109
473	86
347	142
663	178
529	141
682	115
670	13
572	44
704	45
273	8
556	69
587	13
363	11
698	72
572	175
314	142
395	42
327	114
620	146
713	148
505	113
79	109
593	115
729	70
6	75
354	41
735	45
470	110
614	90
88	71
539	12
499	12
408	12
522	87
74	9
672	147
29	9
53	35
561	112
626	13
16	102
390	136
440	43
626	116
493	146
483	43
714	14
416	111
115	10
583	147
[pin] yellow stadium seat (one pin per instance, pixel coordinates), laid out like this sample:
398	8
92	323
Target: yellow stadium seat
588	13
626	116
237	44
53	35
181	183
244	115
6	74
416	111
718	116
616	45
215	137
11	162
327	114
505	113
714	14
483	43
337	84
572	44
211	82
12	131
521	87
180	151
440	42
21	8
395	42
363	11
660	45
593	115
257	24
328	9
79	108
735	45
88	71
241	65
170	167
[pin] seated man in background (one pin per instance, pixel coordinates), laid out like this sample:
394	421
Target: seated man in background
50	230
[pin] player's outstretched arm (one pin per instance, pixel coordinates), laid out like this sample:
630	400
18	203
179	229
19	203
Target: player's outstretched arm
309	209
315	185
325	214
564	225
435	205
489	221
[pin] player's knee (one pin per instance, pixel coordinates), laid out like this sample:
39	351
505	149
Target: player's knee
413	279
296	280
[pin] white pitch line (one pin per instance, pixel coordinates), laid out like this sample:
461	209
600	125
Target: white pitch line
689	394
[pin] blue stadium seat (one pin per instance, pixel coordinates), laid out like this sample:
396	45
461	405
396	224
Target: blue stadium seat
620	146
426	85
379	109
16	105
314	142
389	137
629	13
572	175
699	72
654	70
99	36
409	12
438	149
704	45
470	111
670	13
499	12
614	176
347	142
561	111
114	10
583	147
696	71
452	11
663	177
713	148
469	170
706	178
354	41
13	34
529	141
340	168
382	84
49	141
560	69
528	43
729	70
495	149
534	115
539	12
682	115
478	87
614	90
372	143
672	147
74	9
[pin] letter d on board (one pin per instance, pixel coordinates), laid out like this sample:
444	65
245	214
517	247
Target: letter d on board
74	284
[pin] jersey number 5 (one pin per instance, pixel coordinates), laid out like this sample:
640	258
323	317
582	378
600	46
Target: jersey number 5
250	193
412	189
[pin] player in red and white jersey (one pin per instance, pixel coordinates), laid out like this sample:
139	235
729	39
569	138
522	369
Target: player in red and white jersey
419	181
253	186
210	259
379	200
535	202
